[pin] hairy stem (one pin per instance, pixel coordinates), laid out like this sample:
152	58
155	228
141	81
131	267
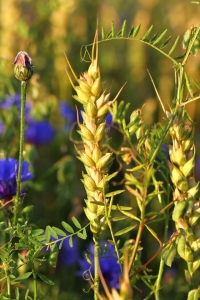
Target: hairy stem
21	147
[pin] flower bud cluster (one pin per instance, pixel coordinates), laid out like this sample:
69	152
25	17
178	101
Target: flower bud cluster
95	139
186	212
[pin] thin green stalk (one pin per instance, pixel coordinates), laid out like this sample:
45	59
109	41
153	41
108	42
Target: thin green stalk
96	267
166	229
139	233
8	285
21	147
162	263
34	282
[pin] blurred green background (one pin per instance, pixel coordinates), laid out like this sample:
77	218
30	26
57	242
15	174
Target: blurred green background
47	29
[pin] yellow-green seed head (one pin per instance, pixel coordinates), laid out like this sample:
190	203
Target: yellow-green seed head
96	87
178	178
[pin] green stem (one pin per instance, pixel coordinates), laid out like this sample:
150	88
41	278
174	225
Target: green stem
139	233
162	263
34	282
166	230
96	266
8	285
21	147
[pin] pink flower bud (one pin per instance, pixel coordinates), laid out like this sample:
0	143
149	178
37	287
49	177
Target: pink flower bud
23	69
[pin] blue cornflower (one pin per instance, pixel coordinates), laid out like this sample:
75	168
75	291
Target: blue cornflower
10	101
68	113
68	256
14	101
109	265
109	119
2	127
8	174
39	132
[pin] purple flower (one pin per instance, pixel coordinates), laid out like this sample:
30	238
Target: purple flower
68	256
109	119
109	265
8	174
2	127
14	101
39	132
69	115
197	169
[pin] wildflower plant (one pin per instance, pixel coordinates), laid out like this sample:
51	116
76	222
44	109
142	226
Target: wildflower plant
145	151
157	164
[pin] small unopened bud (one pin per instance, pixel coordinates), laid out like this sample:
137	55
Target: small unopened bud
23	69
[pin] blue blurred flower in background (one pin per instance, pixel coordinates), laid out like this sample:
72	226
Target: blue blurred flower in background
68	113
8	173
109	119
39	132
14	101
11	101
109	265
68	256
2	127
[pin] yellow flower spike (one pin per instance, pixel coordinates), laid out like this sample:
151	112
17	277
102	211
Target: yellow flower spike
180	132
96	176
85	133
90	215
103	110
96	155
100	132
184	250
178	210
89	183
91	108
89	122
96	87
178	178
103	161
193	191
101	100
196	245
188	168
182	224
91	205
177	155
100	209
84	85
194	218
86	160
189	235
187	144
88	150
82	95
79	100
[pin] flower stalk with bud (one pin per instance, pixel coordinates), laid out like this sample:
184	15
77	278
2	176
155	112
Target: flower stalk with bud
23	71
